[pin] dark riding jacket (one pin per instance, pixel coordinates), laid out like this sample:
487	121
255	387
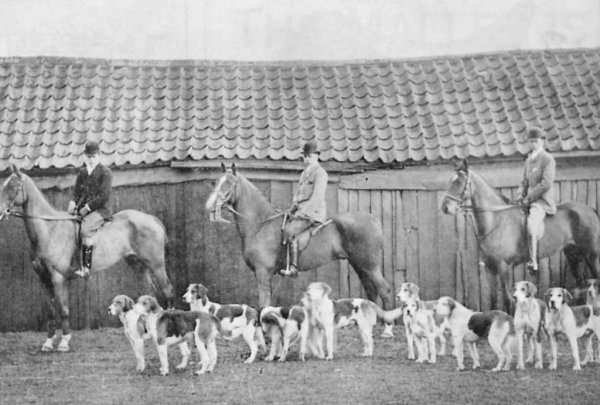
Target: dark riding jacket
537	183
94	190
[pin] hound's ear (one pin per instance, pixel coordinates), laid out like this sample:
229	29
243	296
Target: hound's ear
567	296
153	304
414	289
233	169
128	304
203	294
15	170
531	289
547	295
223	168
451	304
326	289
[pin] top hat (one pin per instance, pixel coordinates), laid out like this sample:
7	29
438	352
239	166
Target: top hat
309	148
91	148
535	133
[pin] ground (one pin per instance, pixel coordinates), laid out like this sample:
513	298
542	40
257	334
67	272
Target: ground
100	369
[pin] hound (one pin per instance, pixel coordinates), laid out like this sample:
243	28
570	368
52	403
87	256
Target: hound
468	326
574	322
593	292
238	319
285	326
411	290
134	326
169	327
325	315
420	325
529	322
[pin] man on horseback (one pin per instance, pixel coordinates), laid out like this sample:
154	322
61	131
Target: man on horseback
91	198
536	191
308	205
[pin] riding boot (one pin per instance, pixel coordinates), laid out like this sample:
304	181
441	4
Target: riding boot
291	269
86	261
532	265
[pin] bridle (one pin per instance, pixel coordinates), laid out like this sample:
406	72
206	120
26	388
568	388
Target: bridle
19	214
463	195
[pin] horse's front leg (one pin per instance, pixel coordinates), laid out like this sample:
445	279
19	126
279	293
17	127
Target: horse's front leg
263	277
62	295
46	280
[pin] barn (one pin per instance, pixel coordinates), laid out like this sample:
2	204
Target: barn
388	130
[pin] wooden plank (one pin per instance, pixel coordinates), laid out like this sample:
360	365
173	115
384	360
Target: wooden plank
353	282
387	221
411	224
399	240
592	197
364	205
428	245
581	192
447	246
343	206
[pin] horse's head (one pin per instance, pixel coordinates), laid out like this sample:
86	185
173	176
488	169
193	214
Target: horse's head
12	192
224	193
458	189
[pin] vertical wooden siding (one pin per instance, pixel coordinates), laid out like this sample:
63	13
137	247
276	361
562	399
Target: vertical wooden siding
437	251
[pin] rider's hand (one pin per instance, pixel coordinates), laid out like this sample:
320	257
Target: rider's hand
84	211
294	207
71	208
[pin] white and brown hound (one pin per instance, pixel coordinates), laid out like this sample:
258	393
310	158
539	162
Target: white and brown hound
530	313
407	291
325	315
169	327
285	326
574	322
468	326
238	319
134	326
420	324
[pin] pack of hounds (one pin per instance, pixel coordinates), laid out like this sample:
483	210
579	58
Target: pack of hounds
313	323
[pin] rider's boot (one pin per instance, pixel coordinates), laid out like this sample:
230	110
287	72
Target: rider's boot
86	262
291	269
532	264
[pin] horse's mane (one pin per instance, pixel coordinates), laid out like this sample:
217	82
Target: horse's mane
247	183
504	198
33	189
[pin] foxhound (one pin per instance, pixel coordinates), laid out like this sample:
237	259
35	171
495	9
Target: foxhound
468	326
593	292
325	315
420	325
238	319
530	313
407	291
285	326
574	322
134	326
169	327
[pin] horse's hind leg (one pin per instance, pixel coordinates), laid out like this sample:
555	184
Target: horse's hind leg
573	259
375	285
155	272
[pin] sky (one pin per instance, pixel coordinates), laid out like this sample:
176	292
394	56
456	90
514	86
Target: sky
273	30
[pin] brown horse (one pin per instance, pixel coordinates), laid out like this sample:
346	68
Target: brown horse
132	235
500	230
356	236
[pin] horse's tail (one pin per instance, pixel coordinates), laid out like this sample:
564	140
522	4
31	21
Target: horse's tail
360	232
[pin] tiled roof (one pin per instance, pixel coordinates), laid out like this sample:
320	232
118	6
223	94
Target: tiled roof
375	111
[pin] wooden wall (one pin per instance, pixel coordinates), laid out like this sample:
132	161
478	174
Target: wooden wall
422	245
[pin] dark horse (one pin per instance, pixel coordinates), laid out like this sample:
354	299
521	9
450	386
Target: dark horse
356	236
137	237
502	236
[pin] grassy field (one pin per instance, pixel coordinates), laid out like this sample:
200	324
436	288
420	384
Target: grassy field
100	369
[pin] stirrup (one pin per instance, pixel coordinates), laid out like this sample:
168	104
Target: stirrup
291	271
83	272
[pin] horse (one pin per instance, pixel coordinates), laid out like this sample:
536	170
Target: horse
357	237
502	235
132	235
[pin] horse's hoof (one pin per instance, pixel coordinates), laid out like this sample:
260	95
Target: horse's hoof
47	348
63	348
387	334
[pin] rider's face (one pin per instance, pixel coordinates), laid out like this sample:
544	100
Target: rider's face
310	159
92	160
536	144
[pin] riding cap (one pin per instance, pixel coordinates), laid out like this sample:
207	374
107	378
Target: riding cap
91	148
310	147
535	133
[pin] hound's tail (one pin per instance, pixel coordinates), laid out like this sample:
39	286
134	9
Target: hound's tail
386	316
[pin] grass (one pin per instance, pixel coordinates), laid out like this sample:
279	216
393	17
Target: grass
100	369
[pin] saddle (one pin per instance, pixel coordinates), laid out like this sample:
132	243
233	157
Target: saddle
304	236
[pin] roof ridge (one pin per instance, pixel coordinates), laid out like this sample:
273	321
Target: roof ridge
290	63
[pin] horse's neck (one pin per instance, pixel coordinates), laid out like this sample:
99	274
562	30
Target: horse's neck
253	208
483	198
35	206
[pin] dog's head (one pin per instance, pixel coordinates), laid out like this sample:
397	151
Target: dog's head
146	304
406	291
557	297
196	292
593	290
120	304
411	306
316	292
444	306
524	290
